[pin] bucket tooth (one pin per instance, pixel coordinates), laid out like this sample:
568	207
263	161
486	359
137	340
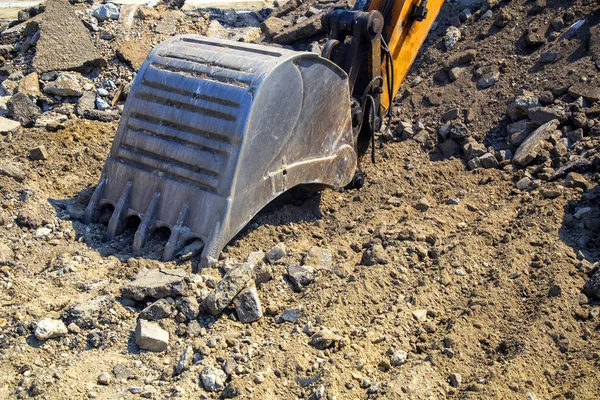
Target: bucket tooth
91	213
174	243
116	225
141	234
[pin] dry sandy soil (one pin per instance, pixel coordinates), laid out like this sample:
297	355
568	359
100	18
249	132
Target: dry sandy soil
488	288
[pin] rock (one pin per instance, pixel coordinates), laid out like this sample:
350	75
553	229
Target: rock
300	276
9	126
30	85
451	114
452	37
375	254
588	91
276	253
504	155
65	43
97	339
574	179
422	205
133	52
106	12
6	254
158	310
272	26
65	84
398	358
292	314
502	18
156	283
12	171
101	104
449	148
548	57
575	136
524	183
228	288
551	192
247	305
535	39
4	105
87	314
455	73
458	131
324	339
582	212
488	160
528	150
305	29
592	286
150	336
318	257
460	59
121	372
38	153
213	379
474	149
104	379
455	380
185	361
488	79
188	306
50	328
22	109
541	115
519	108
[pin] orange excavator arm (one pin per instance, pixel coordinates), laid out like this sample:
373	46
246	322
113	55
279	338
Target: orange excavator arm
404	34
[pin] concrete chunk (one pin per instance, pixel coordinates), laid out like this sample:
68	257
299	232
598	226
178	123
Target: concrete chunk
228	288
247	305
528	150
156	283
150	336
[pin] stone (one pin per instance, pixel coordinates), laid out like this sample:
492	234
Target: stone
451	114
247	305
460	59
228	288
588	91
458	131
488	79
422	205
318	257
528	150
272	26
133	52
582	212
519	108
398	358
455	73
558	24
64	43
449	148
488	160
541	115
185	361
548	57
150	336
551	192
156	283
4	105
592	286
9	126
101	104
276	253
48	328
30	85
502	18
535	39
474	149
12	171
87	314
575	136
188	306
300	275
455	380
300	30
38	153
324	339
65	84
292	314
374	255
574	179
104	379
121	372
452	37
158	310
213	379
6	254
524	183
504	155
22	109
106	12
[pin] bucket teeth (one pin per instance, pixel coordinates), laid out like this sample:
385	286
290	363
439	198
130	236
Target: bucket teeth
174	243
92	210
141	235
116	225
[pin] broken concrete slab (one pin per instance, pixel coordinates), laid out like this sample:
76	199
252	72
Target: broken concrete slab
48	328
22	109
588	91
272	26
228	288
9	126
528	150
300	275
150	336
308	28
156	283
65	43
87	314
65	84
247	305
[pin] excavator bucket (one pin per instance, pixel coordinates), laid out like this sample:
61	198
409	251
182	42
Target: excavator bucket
213	130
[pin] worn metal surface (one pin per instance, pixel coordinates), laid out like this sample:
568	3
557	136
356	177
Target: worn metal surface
213	130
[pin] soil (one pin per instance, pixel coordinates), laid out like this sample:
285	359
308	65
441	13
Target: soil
488	288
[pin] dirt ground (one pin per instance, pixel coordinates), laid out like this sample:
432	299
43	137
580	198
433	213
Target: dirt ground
477	280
